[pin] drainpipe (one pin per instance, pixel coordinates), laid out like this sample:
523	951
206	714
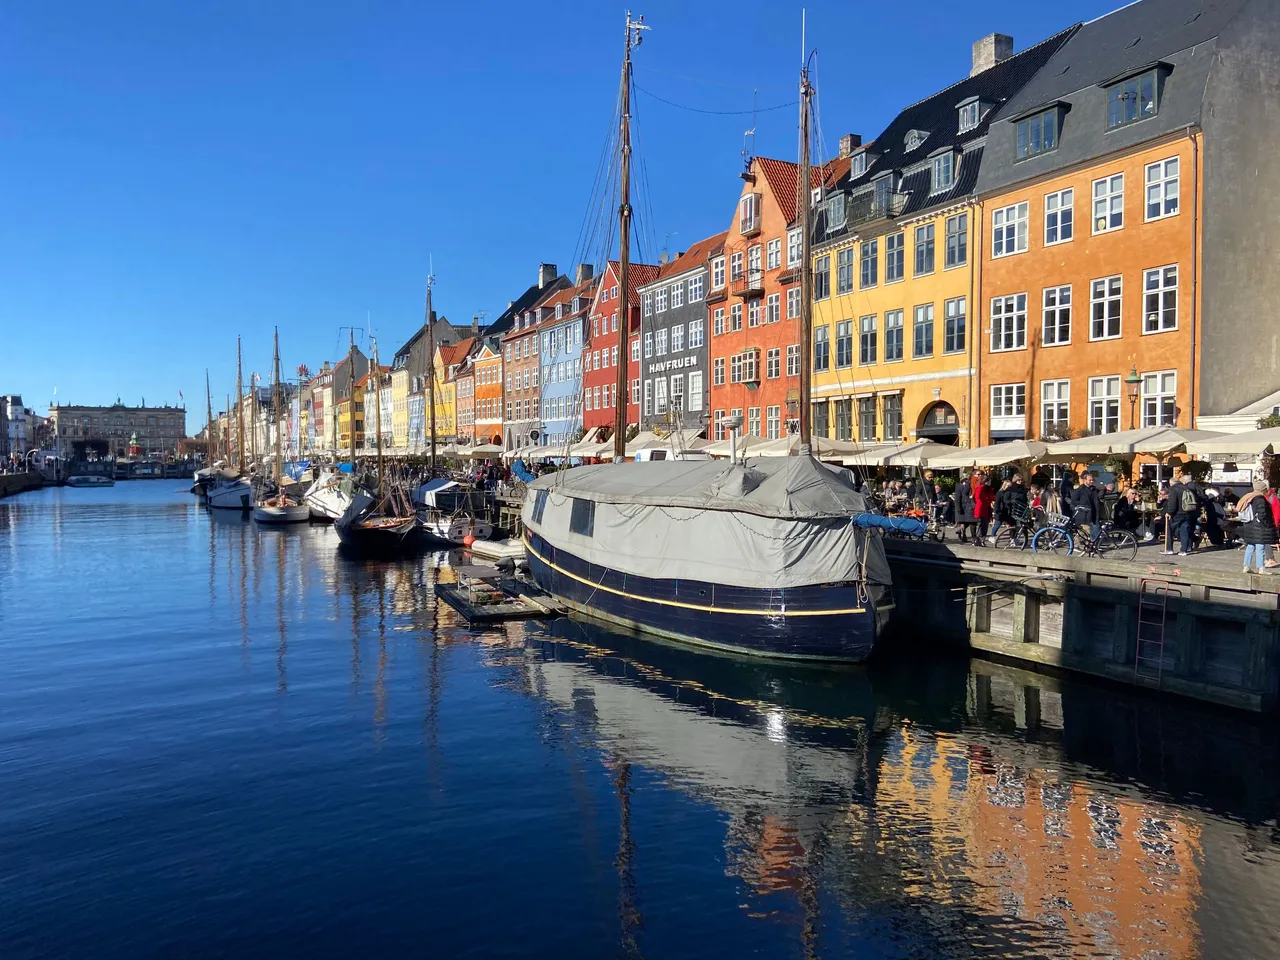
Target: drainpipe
1195	267
975	324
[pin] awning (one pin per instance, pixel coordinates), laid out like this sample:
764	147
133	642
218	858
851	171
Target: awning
995	455
1252	443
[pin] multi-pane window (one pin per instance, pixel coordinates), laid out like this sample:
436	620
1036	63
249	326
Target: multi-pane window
844	343
953	326
648	398
677	338
773	363
835	212
635	391
735	266
1104	404
844	270
957	240
821	348
1057	316
892	335
753	313
694	403
969	115
753	262
894	257
1009	229
660	342
717	321
893	416
1131	100
1108	203
660	300
867	346
735	318
793	359
793	247
922	331
1059	211
635	351
1009	400
1162	188
844	419
821	421
677	295
677	392
822	278
773	308
1009	322
659	395
646	303
1104	304
695	288
924	249
1055	408
773	422
773	254
717	273
866	420
793	302
721	433
870	263
1160	299
753	421
1038	134
696	337
944	172
1159	399
717	372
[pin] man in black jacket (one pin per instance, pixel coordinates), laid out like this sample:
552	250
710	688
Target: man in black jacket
1183	509
1086	507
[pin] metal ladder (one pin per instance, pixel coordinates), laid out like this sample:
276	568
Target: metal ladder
1153	604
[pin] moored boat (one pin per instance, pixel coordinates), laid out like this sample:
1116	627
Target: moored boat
368	531
446	518
281	509
90	480
278	507
329	495
230	493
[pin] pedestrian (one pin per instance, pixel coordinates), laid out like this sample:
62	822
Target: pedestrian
1273	498
1065	486
984	500
1015	503
1214	517
1128	511
1182	508
1257	528
1086	506
966	521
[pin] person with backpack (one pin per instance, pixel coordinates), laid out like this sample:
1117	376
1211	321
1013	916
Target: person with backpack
1257	528
1182	507
966	521
1086	506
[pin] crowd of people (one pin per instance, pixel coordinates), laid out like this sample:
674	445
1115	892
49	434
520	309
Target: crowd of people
1184	513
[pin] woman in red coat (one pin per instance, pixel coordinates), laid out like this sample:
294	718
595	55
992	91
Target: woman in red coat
984	499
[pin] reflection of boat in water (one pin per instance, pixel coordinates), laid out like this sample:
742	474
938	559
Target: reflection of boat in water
279	507
90	480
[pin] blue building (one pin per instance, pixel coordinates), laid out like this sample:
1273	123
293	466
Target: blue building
561	339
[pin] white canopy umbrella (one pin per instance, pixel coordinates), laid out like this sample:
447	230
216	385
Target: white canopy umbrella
995	455
748	446
1252	443
481	451
1150	440
876	455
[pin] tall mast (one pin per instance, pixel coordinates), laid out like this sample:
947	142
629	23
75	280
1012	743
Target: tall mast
239	411
620	398
208	416
377	406
253	431
226	439
431	371
351	362
275	402
806	268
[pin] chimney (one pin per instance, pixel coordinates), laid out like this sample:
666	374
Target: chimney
849	143
475	324
582	274
546	274
989	51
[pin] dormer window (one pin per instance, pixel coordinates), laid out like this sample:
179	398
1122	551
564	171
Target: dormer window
1038	133
559	311
1131	100
858	164
835	212
815	196
970	115
944	172
915	138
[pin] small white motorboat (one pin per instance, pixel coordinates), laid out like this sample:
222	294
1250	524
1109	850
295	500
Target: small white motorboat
281	509
230	493
326	496
90	480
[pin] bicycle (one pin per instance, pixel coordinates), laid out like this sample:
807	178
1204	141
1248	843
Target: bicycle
1061	534
1017	534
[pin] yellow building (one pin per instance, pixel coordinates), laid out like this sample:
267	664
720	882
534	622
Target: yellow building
448	359
894	245
400	408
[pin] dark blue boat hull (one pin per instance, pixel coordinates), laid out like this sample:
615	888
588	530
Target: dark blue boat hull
836	622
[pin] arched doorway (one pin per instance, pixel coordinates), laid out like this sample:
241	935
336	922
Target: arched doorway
939	424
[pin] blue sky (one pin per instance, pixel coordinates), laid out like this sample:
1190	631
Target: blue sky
175	174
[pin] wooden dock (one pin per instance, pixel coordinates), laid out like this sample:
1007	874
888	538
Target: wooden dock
520	600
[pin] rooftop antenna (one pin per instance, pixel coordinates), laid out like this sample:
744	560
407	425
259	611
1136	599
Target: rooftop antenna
666	244
749	136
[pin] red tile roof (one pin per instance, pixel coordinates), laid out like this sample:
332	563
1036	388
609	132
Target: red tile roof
455	352
696	255
782	174
641	273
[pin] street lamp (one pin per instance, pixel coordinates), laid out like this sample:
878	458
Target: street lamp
1134	383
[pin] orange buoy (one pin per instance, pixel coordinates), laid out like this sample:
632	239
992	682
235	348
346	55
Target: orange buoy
468	540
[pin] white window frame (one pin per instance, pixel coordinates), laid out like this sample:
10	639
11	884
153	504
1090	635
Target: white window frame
944	162
1110	292
677	392
773	254
793	303
1010	313
1054	301
1011	402
677	338
1108	203
793	359
1054	395
1164	185
1104	396
1157	295
717	319
660	300
695	288
717	372
773	422
635	350
1009	229
773	308
697	335
660	342
717	273
773	363
1165	383
648	398
1055	205
694	403
677	295
970	116
648	344
794	248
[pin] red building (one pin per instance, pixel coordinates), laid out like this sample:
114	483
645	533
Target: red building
599	352
753	302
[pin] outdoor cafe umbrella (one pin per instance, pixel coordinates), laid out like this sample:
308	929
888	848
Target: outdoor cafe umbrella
995	455
1252	443
898	455
482	450
1149	440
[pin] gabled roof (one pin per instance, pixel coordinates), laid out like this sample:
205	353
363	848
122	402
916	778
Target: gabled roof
783	174
640	274
525	301
696	256
565	296
453	353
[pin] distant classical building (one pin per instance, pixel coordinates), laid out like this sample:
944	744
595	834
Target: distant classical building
107	431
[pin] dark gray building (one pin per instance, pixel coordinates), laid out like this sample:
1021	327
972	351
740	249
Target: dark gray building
1200	82
675	383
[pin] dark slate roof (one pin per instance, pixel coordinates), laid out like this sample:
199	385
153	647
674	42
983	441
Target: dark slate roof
519	306
1178	33
939	117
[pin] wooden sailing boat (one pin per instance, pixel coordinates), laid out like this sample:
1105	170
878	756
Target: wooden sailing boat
279	508
382	523
329	495
232	491
768	557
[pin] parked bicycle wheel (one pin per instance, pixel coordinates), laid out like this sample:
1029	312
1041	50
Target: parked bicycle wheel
1053	540
1013	538
1117	545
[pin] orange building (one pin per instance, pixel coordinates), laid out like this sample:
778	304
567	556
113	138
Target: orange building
753	302
488	392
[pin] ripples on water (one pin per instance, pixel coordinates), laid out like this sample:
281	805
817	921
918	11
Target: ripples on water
217	739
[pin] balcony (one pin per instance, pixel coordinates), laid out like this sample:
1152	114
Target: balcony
875	207
748	284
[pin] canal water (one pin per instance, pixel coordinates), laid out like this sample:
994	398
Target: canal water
223	740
